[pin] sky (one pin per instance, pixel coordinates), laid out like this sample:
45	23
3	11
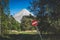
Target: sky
17	5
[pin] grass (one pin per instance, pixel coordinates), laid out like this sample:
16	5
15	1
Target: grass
22	32
25	32
28	32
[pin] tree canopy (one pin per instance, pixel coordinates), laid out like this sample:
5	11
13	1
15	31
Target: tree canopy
48	13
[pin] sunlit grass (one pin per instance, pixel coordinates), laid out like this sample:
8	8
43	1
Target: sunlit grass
26	32
22	32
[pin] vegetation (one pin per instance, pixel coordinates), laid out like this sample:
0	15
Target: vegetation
48	14
7	21
26	23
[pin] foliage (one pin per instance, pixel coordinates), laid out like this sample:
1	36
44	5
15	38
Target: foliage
48	14
7	20
26	23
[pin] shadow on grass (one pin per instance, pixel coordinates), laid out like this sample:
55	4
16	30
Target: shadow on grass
31	37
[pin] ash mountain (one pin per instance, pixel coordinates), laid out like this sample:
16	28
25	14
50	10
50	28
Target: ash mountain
18	17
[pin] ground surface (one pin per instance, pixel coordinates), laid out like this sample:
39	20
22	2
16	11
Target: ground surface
31	37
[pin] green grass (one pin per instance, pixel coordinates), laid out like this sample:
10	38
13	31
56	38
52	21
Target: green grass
25	32
21	32
28	33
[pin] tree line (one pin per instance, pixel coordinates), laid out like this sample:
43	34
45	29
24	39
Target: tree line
47	13
7	22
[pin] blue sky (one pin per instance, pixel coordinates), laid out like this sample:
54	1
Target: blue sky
18	5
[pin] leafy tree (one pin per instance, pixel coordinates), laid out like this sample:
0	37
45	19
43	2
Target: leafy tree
14	24
47	13
7	21
3	11
26	23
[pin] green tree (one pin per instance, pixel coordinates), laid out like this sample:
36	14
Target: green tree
7	22
3	10
47	13
26	23
14	24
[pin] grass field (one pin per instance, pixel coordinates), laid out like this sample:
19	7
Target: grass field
22	32
28	35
